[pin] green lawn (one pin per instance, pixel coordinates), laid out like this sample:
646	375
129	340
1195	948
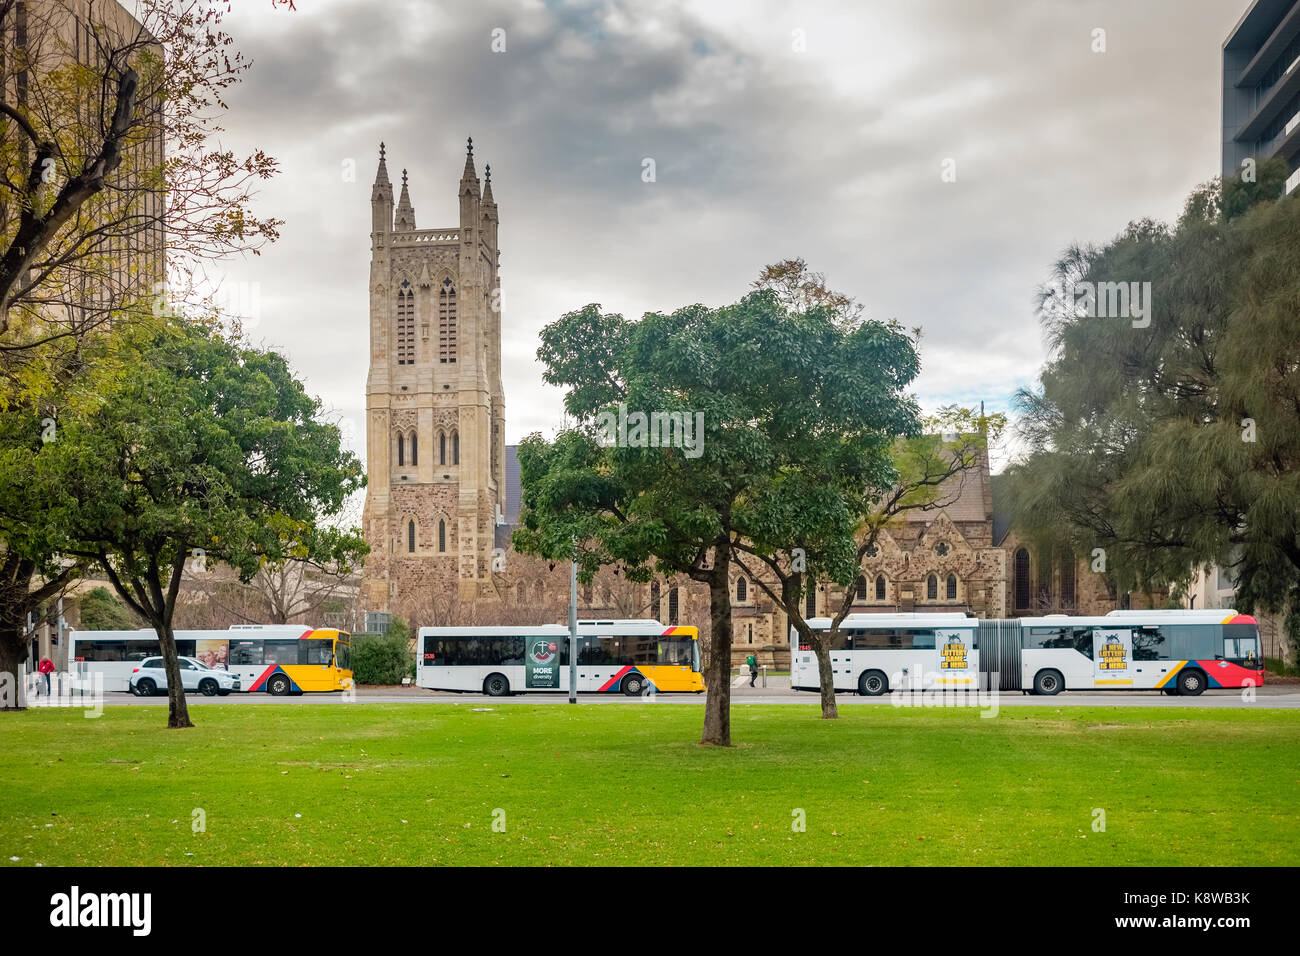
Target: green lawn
627	784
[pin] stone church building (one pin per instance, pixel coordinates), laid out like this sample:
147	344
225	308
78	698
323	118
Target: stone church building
443	490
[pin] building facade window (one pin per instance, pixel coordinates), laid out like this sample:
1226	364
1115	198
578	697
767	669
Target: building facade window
860	588
1068	595
654	599
410	536
880	587
405	324
401	450
415	449
932	588
447	323
950	588
442	535
455	448
672	605
810	603
742	590
1023	588
442	448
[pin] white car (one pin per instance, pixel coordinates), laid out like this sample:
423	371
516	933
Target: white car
150	678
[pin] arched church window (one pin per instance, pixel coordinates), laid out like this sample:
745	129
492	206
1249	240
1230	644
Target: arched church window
442	449
880	587
932	588
742	589
810	602
672	605
1067	579
401	450
860	589
447	323
410	536
415	449
405	324
950	588
1022	585
455	448
442	535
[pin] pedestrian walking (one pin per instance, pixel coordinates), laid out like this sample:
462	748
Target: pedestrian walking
753	669
46	667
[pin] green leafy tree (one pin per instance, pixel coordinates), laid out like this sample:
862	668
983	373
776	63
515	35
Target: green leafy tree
211	451
1162	447
101	611
779	397
840	518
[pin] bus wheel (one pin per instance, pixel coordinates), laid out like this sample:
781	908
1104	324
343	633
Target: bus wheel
1191	682
1048	683
633	685
146	688
278	686
872	684
496	685
208	687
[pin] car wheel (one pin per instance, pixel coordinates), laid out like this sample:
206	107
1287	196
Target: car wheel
872	684
1048	683
208	687
278	686
496	685
146	687
633	685
1191	682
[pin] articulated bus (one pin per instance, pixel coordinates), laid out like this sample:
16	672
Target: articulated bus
632	657
1177	652
277	659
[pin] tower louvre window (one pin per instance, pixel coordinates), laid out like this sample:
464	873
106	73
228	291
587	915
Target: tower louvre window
401	450
455	448
410	536
442	535
442	449
415	448
405	324
447	323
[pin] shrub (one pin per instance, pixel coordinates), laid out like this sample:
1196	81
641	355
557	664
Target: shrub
382	658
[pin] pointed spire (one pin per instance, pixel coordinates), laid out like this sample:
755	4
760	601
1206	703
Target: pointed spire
405	219
381	176
487	186
469	175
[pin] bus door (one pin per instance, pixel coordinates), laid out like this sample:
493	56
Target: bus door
1112	657
958	661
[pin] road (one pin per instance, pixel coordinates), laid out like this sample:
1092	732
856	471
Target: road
1273	697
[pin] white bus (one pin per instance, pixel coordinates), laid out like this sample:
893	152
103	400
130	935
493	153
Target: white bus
622	656
278	659
876	653
1178	652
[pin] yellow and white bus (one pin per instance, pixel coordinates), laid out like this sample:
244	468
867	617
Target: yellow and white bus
276	659
632	657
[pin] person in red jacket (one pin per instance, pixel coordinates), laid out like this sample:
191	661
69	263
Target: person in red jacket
46	667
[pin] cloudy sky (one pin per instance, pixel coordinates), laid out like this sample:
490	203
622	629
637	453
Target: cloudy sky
778	129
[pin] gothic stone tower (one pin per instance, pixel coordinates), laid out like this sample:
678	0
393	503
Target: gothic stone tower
435	409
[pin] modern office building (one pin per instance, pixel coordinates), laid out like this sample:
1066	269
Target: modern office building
1261	88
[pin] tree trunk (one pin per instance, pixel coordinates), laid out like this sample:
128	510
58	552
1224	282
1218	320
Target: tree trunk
822	645
178	714
13	651
717	676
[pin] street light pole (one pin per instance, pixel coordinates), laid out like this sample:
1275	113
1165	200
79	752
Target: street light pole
573	631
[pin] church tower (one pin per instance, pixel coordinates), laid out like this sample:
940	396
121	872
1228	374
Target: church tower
435	408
